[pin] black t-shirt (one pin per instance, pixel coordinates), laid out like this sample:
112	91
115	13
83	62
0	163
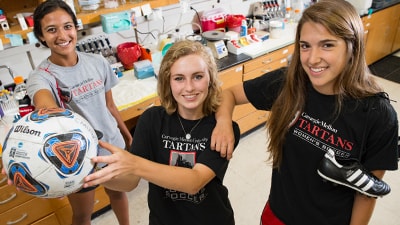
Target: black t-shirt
159	137
298	194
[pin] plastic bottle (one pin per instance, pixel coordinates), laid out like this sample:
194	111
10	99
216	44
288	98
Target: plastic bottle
20	88
297	15
243	28
288	15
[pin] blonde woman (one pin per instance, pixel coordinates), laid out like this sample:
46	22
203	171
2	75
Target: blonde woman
171	147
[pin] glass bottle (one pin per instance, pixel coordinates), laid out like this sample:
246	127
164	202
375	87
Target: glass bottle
20	88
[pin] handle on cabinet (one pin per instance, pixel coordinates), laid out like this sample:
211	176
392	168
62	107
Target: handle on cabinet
8	199
267	70
144	108
17	220
3	180
267	61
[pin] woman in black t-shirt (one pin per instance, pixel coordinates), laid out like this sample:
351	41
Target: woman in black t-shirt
171	147
324	107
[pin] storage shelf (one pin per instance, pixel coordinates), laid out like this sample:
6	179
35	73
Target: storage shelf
94	17
88	17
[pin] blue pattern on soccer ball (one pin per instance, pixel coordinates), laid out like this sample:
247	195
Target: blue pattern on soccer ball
38	117
20	171
62	150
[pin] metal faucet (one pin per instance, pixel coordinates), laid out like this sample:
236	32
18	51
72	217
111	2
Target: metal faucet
9	70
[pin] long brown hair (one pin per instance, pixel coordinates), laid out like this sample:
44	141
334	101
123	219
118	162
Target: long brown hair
355	81
178	50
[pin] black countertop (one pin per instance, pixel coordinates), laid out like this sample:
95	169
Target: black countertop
231	60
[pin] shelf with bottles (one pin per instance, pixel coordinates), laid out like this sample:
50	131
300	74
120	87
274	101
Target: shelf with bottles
89	17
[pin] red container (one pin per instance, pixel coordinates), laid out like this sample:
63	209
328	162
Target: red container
213	19
128	53
234	20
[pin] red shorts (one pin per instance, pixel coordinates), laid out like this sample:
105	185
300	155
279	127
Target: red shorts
269	218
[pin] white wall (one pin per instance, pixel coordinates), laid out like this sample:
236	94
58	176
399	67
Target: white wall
17	57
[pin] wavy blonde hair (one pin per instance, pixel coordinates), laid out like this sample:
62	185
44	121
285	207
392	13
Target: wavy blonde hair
178	50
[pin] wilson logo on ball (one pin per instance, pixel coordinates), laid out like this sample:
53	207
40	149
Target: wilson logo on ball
48	152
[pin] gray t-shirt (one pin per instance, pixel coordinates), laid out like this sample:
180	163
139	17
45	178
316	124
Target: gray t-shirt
81	88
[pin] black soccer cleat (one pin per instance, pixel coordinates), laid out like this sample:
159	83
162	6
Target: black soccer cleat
353	176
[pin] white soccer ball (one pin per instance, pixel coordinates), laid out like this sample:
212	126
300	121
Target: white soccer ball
47	152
